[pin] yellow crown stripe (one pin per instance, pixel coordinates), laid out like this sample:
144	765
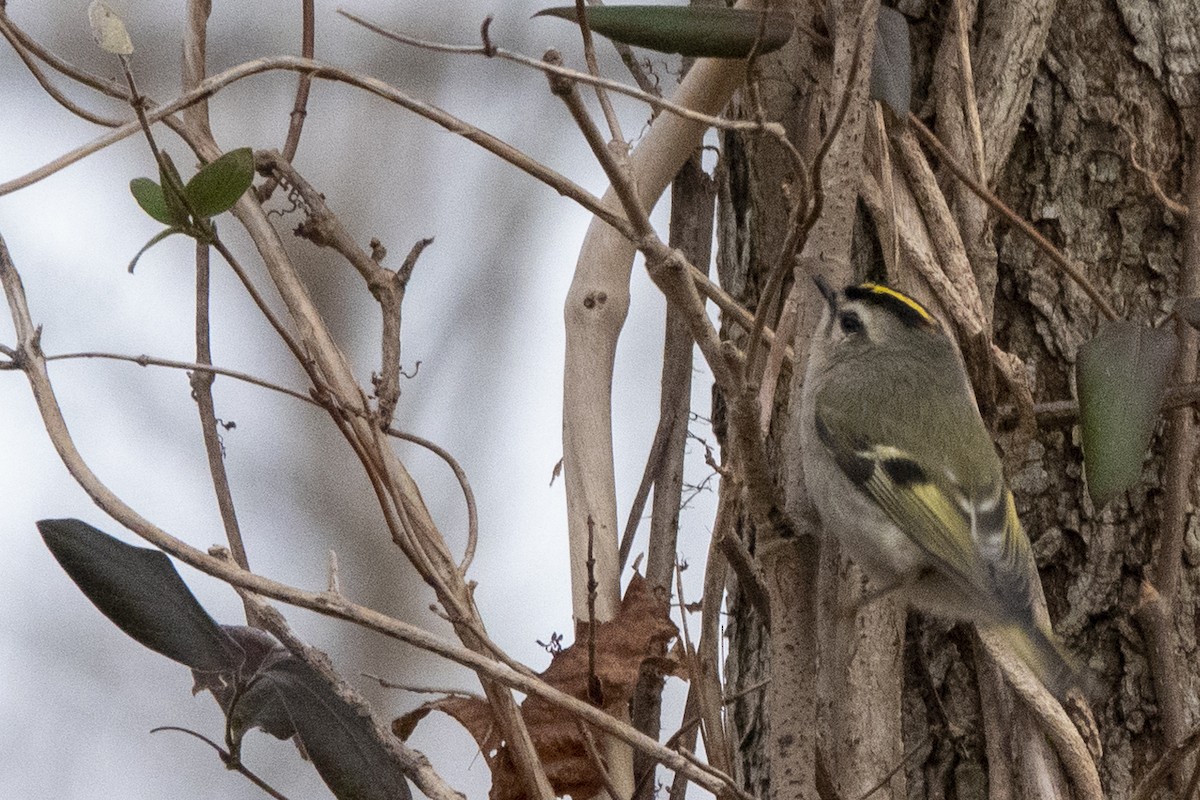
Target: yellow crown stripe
903	298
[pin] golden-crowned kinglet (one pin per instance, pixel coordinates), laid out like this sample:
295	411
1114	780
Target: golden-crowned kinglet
902	471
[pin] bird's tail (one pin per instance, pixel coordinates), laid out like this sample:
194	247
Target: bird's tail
1050	661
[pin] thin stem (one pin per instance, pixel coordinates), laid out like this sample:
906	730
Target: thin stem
227	759
589	55
654	101
202	383
300	107
27	56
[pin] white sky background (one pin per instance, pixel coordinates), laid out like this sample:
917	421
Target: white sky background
483	314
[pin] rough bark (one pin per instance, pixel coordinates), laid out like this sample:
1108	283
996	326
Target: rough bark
1059	104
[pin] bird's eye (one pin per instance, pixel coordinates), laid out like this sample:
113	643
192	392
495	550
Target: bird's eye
850	322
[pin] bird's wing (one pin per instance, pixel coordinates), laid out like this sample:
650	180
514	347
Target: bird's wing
976	541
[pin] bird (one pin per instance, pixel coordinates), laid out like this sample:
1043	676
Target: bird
900	467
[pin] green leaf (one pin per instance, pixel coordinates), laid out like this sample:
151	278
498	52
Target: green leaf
140	591
891	68
149	196
217	186
697	31
158	237
1122	376
172	184
338	737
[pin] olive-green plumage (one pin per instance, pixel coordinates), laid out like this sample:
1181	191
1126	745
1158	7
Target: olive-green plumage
901	468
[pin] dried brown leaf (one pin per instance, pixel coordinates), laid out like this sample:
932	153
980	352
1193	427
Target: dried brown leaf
640	634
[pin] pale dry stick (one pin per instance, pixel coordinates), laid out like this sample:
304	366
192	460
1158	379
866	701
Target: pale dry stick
1068	745
589	57
1157	613
970	105
323	228
662	262
30	360
47	85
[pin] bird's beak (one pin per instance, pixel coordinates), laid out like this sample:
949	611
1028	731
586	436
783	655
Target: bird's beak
827	291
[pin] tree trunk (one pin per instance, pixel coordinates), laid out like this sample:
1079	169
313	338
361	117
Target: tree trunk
1081	107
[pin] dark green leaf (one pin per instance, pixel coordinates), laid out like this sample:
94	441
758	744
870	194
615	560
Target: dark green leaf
698	31
217	186
338	738
1188	310
140	591
158	237
172	184
1122	377
149	196
891	70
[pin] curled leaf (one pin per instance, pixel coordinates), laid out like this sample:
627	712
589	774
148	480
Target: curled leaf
108	30
155	239
696	31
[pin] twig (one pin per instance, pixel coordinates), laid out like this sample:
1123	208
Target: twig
408	687
227	759
654	101
589	743
1160	601
459	473
970	104
1167	763
1065	264
55	93
886	779
300	107
202	382
468	495
589	56
374	86
669	270
260	302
